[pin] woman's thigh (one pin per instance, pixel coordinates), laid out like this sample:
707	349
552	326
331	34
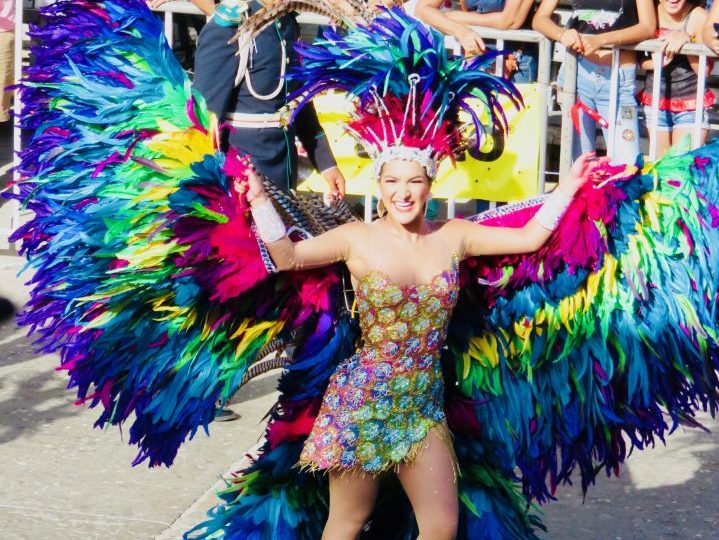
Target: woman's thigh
430	482
352	493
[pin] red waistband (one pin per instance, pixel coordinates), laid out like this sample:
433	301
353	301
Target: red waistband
676	104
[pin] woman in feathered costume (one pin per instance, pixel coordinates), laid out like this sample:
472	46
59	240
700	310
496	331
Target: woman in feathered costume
161	293
383	409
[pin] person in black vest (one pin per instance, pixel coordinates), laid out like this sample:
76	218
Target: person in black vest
249	93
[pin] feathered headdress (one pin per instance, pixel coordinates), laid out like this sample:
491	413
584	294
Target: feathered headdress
409	91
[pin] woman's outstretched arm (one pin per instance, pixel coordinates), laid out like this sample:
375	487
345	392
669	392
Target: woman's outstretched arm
328	248
475	240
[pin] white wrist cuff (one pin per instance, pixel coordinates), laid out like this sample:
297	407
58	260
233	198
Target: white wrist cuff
553	209
268	223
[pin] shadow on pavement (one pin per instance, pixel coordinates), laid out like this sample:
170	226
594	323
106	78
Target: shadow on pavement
255	388
15	346
663	493
29	401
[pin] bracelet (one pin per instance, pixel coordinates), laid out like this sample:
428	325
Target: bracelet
553	209
268	222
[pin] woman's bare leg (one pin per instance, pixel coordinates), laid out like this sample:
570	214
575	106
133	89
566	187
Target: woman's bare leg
664	141
680	132
352	497
431	486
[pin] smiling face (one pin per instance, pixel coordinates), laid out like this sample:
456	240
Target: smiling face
404	190
674	7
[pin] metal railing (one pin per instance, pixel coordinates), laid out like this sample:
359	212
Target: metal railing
188	8
524	36
653	46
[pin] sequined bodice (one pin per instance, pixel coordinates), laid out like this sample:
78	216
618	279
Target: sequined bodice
405	320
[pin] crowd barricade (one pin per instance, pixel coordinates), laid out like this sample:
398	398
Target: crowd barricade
169	9
654	46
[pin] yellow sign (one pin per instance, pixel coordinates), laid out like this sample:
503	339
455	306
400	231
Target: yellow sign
507	174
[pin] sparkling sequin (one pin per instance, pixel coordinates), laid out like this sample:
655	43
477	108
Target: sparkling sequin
386	398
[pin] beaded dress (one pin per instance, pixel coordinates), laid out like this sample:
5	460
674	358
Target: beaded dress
382	402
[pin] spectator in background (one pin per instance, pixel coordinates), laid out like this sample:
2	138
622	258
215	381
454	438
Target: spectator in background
253	102
595	24
7	56
680	22
521	64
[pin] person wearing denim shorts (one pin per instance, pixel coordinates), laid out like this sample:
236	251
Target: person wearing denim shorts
521	63
595	24
679	23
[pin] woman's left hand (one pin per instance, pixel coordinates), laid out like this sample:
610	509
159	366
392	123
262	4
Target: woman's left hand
250	187
674	42
581	172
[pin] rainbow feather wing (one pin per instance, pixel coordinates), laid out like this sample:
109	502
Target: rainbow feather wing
592	343
148	279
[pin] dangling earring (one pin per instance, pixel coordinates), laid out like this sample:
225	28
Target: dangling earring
381	210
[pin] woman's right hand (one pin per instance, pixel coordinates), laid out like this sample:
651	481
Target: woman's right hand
251	187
